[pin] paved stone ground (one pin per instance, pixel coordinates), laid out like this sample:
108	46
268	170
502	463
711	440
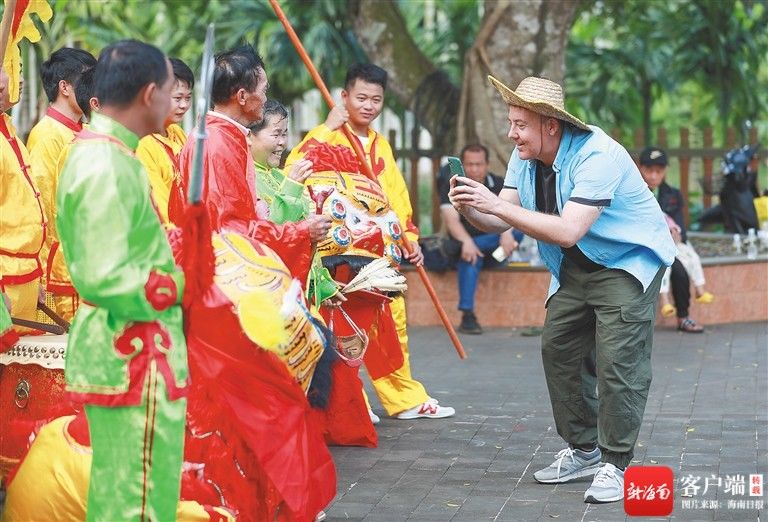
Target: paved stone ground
707	415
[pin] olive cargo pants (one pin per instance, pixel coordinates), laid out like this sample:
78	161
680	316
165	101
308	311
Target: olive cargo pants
596	350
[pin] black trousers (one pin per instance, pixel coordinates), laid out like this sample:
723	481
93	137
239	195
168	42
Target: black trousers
681	288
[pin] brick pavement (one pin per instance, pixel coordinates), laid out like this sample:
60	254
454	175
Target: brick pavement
707	415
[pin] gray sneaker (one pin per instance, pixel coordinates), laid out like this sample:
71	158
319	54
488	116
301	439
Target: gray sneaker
607	486
569	464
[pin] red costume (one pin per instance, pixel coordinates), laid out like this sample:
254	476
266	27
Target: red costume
249	419
364	228
229	194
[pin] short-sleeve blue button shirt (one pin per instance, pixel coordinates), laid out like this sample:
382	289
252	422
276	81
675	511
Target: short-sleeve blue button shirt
630	234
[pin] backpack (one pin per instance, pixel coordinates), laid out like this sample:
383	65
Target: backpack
441	253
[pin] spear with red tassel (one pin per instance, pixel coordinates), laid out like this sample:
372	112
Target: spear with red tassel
198	259
366	167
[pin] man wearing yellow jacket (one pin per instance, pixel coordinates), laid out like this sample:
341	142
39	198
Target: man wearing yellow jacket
362	102
22	219
159	152
57	128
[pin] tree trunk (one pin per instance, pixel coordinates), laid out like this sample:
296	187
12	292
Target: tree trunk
516	39
413	78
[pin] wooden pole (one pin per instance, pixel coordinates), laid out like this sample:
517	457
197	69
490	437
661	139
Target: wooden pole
45	327
347	130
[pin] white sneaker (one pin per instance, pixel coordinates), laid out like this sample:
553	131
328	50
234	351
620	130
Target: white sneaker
428	410
569	464
607	486
375	419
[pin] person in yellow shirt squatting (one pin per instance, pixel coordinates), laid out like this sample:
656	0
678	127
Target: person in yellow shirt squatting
159	153
60	75
22	219
362	101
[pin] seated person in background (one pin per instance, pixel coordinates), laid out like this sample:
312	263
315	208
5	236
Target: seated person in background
692	264
475	244
687	265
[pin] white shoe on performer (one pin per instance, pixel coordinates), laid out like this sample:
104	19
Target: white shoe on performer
428	410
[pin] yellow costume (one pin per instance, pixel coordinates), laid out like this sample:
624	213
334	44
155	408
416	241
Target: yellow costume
22	225
47	139
160	156
52	481
397	391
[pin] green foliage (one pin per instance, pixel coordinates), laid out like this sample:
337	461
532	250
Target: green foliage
323	29
731	45
680	63
444	31
177	27
631	63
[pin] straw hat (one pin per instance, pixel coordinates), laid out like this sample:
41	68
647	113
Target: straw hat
540	96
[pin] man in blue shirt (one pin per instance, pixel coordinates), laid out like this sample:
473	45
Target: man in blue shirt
604	239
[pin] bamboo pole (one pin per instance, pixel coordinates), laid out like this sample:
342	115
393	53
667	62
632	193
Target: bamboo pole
347	130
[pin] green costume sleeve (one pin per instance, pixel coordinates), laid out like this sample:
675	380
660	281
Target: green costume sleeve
5	317
291	202
111	258
7	336
287	199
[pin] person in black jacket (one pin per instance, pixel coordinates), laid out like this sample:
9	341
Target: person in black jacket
687	265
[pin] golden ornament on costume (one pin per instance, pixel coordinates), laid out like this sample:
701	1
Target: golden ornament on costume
363	222
269	302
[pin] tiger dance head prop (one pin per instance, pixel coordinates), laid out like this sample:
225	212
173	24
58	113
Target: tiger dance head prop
363	222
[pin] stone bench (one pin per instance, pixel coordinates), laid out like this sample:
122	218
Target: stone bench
514	296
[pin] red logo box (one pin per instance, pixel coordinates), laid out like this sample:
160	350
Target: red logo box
649	491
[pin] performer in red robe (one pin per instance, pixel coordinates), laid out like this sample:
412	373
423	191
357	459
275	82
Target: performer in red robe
273	460
229	186
250	421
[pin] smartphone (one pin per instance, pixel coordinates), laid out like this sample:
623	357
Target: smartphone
454	164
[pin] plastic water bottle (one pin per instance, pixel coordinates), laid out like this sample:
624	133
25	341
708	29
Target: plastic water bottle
499	255
737	244
762	236
751	244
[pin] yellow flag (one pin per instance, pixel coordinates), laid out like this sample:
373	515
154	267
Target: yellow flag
22	27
